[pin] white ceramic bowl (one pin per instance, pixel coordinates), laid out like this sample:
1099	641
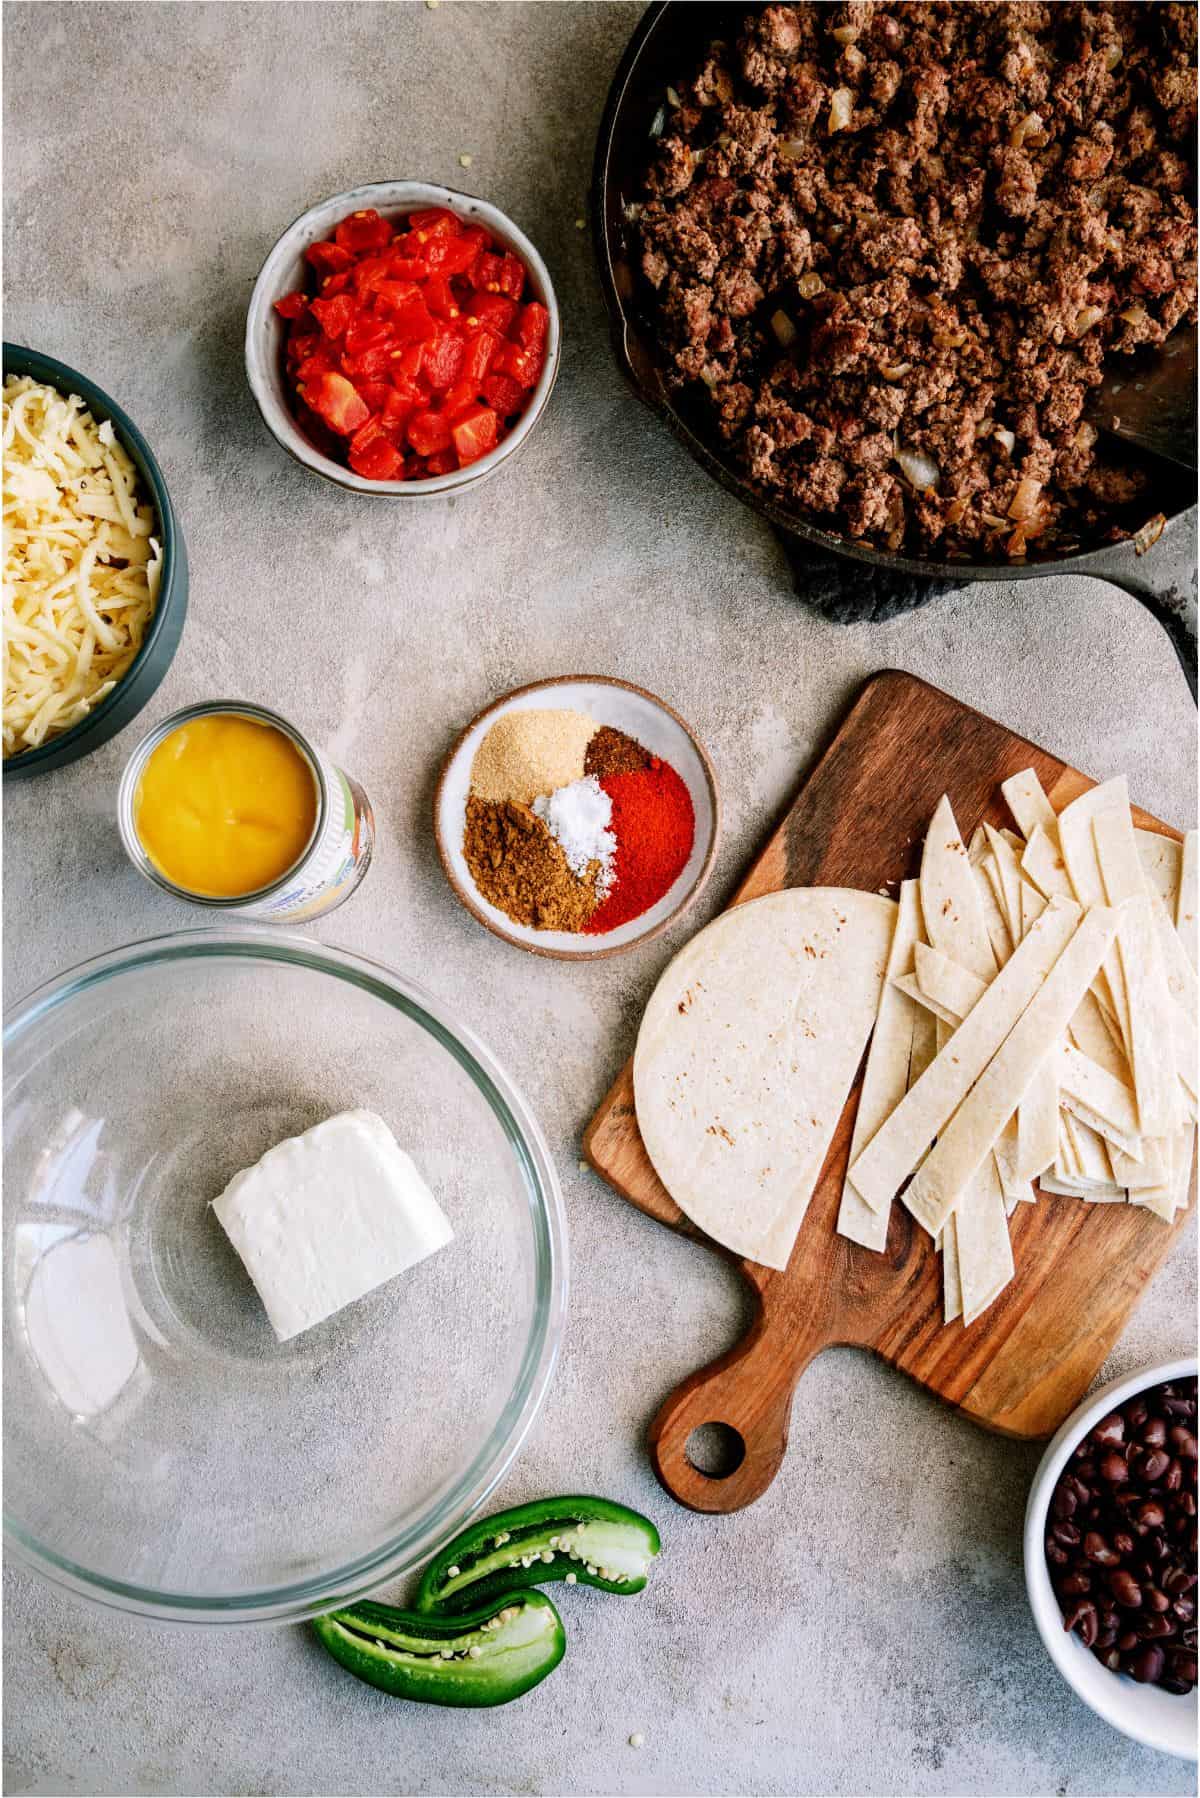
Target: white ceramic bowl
1146	1714
640	715
285	270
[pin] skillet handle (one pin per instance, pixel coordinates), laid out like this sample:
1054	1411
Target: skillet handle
847	591
1164	581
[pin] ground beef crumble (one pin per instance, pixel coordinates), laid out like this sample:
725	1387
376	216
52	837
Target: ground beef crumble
892	245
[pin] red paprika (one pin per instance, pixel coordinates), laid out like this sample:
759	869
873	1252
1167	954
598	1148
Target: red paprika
655	826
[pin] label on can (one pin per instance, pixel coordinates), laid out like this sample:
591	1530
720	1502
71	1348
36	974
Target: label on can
334	864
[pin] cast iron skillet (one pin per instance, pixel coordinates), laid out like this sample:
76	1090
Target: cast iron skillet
848	581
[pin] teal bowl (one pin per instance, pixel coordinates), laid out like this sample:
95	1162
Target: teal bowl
166	627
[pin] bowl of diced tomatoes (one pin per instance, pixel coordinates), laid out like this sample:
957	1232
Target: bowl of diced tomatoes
402	339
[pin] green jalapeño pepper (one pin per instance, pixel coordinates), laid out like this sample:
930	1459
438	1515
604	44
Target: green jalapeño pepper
585	1541
488	1657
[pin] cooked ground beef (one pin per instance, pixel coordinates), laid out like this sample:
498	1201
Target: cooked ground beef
896	242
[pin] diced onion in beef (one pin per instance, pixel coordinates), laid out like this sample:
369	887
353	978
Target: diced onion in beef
956	511
1135	315
1025	499
1006	439
1089	316
846	34
920	470
841	109
854	59
1149	534
894	371
993	522
949	340
809	285
673	97
790	149
784	329
1028	127
1016	543
1112	56
1085	436
709	376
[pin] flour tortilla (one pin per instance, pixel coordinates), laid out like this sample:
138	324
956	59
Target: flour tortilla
1008	872
1149	1038
894	1151
985	1257
954	915
746	1055
1077	839
1161	857
885	1081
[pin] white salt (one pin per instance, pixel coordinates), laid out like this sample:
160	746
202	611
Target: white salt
578	818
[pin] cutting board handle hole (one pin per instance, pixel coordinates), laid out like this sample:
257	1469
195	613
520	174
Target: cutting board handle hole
716	1450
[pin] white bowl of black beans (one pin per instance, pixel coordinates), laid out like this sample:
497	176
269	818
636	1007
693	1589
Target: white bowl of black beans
1110	1555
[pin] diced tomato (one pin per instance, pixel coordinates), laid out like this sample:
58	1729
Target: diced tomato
495	310
373	365
363	231
532	325
375	394
434	220
409	268
332	396
451	255
391	295
334	315
414	322
328	258
487	274
444	357
394	416
379	461
367	331
481	347
292	305
336	283
428	432
408	361
319	363
474	434
523	365
303	343
439	297
512	276
459	399
504	394
445	462
368	273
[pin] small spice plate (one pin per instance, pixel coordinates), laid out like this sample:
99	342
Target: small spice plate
618	706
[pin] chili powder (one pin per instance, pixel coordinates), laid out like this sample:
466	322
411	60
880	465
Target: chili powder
655	825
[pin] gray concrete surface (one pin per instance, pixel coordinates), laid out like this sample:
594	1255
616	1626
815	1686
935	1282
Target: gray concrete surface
863	1629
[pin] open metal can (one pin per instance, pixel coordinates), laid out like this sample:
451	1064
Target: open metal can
334	860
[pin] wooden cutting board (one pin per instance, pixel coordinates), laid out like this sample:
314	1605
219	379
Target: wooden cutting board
859	821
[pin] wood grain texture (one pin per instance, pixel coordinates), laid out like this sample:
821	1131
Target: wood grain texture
859	821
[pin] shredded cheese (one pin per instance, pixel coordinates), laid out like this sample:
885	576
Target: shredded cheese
81	563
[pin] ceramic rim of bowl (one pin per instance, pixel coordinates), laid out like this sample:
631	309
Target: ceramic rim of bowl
415	1544
20	360
388	197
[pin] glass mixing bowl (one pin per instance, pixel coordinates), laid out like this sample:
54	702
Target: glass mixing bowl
163	1452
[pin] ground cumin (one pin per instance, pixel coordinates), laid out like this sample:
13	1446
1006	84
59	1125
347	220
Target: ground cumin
612	752
520	869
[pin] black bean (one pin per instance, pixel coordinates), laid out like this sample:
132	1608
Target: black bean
1154	1434
1183	1665
1152	1463
1067	1534
1154	1600
1110	1431
1150	1514
1113	1467
1146	1665
1184	1609
1074	1585
1064	1502
1152	1626
1124	1589
1097	1549
1082	1617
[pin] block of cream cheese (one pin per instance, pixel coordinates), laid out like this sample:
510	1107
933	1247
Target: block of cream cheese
328	1216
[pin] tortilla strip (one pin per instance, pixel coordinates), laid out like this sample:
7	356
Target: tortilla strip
885	1080
1092	1152
1037	1126
1017	1190
924	1046
911	986
1149	1038
1076	838
1085	1079
968	1137
951	1284
1189	896
1029	805
1033	904
1137	1175
1160	858
953	988
894	1151
1043	865
954	916
985	1258
1008	870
